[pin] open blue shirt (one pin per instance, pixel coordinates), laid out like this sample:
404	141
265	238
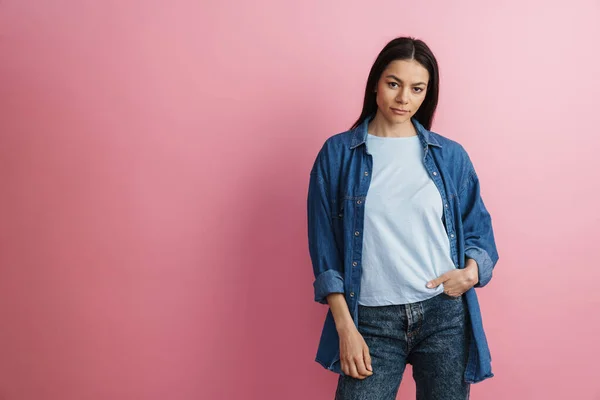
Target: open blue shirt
339	181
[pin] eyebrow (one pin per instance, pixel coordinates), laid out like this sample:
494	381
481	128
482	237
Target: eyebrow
400	80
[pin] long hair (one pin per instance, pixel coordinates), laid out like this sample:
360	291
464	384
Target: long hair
404	48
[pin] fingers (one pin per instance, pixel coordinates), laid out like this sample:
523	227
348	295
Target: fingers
367	359
361	367
456	291
349	369
438	281
456	283
357	367
354	356
353	372
452	290
345	368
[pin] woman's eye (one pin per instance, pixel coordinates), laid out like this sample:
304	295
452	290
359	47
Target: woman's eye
391	84
418	89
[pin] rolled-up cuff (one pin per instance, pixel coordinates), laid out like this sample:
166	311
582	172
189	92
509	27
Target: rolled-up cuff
484	264
328	282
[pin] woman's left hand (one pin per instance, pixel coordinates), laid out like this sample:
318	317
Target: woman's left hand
458	281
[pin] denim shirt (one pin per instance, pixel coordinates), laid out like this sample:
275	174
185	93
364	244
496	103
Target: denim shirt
339	181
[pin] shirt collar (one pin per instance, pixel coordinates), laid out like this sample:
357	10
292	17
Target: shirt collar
359	135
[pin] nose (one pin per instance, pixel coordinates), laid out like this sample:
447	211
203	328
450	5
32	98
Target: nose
402	97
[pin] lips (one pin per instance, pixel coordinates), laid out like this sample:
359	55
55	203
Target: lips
399	111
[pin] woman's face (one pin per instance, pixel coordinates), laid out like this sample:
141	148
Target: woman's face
401	90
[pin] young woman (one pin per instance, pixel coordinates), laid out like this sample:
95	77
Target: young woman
399	237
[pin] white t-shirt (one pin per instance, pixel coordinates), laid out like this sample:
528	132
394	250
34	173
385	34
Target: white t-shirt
405	244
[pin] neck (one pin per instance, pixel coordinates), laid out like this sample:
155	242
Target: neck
380	126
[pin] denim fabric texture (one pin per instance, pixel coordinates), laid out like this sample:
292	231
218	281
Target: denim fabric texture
431	335
338	186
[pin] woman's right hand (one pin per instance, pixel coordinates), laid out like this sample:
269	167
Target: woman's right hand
354	353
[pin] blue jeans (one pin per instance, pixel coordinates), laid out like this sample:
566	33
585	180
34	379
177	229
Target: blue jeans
431	335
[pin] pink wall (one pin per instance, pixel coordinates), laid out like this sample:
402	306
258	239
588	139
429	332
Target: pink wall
154	161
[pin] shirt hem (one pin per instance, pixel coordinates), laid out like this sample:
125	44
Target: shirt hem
373	302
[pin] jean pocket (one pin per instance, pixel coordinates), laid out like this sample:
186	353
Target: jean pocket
444	296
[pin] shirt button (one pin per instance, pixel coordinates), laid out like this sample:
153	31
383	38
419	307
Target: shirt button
340	215
351	294
359	202
366	173
434	173
446	205
452	235
356	233
354	264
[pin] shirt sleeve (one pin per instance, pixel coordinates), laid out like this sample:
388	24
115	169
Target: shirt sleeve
480	244
324	252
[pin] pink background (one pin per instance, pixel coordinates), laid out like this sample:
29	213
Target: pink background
154	161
